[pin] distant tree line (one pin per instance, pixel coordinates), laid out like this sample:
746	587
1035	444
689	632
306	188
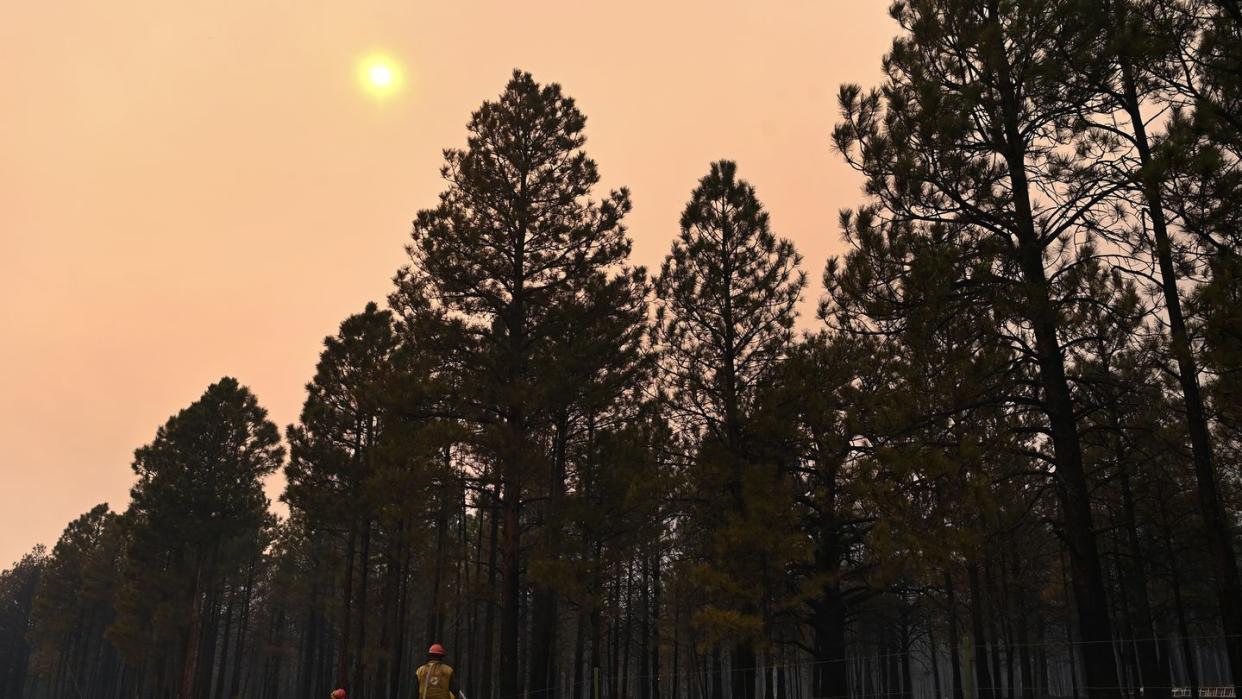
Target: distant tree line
1003	462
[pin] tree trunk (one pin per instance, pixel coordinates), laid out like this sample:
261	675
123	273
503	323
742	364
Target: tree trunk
489	616
743	665
997	615
1069	633
718	671
403	596
511	586
627	636
190	657
955	657
209	638
1041	657
222	670
435	619
475	634
674	690
310	635
360	662
1179	609
830	673
907	679
983	672
655	618
1024	654
342	657
1153	671
1072	489
544	609
238	654
579	652
644	633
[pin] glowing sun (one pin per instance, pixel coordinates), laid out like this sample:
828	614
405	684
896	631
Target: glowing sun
379	75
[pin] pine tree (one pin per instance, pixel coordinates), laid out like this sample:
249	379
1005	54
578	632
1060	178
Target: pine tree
513	241
17	592
333	458
198	500
818	396
966	135
73	606
603	364
931	412
727	294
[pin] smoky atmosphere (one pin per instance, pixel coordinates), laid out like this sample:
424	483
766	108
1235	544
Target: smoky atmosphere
681	350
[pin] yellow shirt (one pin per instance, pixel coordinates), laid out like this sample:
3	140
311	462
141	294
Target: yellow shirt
435	681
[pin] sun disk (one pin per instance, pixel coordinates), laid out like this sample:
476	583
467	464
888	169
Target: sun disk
379	75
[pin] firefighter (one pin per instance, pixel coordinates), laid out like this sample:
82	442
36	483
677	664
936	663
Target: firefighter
435	678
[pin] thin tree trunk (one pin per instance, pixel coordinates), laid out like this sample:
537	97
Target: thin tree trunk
1041	657
240	648
1069	634
388	603
511	586
544	607
579	652
342	658
599	588
644	632
475	633
627	638
1024	656
435	619
996	615
718	670
310	635
674	690
222	670
1179	609
907	679
235	685
190	657
955	658
489	620
983	673
655	617
364	576
403	595
461	566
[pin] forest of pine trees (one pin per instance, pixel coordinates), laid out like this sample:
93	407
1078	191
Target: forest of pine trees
1001	462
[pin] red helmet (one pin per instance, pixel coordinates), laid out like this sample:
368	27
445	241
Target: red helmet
338	694
436	649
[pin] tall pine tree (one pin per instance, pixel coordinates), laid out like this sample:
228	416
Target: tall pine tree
511	245
727	295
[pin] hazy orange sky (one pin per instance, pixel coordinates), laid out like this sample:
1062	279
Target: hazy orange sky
200	188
